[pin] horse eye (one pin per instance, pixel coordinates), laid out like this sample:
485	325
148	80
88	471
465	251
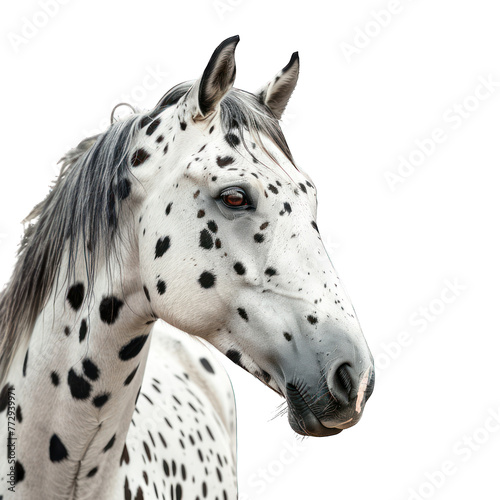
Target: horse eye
235	198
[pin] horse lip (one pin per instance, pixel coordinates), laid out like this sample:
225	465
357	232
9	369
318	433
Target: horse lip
343	425
311	426
302	419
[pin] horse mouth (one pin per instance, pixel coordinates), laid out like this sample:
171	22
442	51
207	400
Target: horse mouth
303	420
307	424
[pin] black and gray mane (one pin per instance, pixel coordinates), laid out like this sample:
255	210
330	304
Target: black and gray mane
79	217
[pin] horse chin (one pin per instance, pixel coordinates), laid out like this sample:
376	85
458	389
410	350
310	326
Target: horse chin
307	424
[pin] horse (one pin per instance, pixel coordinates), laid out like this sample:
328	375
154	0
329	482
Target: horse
193	215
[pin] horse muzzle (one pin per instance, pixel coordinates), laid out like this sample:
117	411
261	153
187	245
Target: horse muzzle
337	405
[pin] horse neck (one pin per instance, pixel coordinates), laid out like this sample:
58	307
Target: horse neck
77	381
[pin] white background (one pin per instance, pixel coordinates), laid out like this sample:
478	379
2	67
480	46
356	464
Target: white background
349	122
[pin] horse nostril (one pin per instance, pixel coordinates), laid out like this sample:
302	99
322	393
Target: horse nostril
342	384
344	378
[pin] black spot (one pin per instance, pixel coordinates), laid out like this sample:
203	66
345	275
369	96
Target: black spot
75	296
206	364
110	444
214	178
218	243
239	268
161	286
90	369
162	245
312	319
183	125
234	356
273	188
259	238
169	207
287	336
166	468
206	240
4	396
302	187
153	126
243	313
210	433
67	331
19	414
162	439
109	309
211	129
287	207
147	450
146	292
101	400
25	363
159	139
57	450
265	376
201	213
314	225
128	493
178	492
125	456
206	279
139	157
212	226
18	472
165	149
83	330
232	139
123	188
264	226
55	378
133	348
131	376
270	271
79	387
92	472
224	161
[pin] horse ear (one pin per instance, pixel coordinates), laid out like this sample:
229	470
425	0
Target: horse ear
277	92
217	78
